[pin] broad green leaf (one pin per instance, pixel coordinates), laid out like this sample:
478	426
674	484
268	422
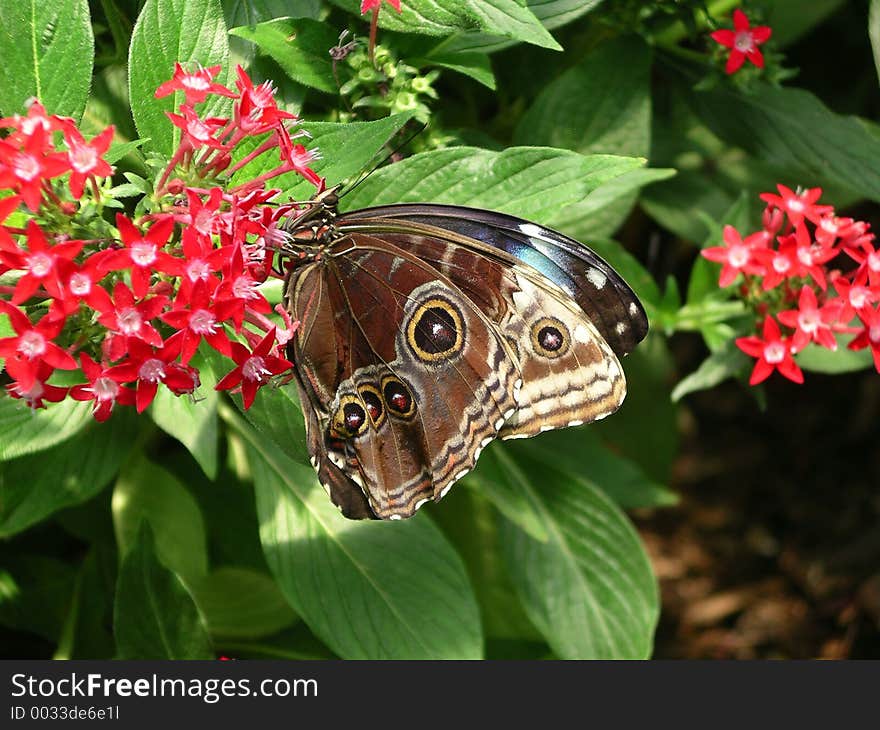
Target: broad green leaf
154	616
35	594
819	359
645	429
79	469
251	12
676	204
300	46
718	367
583	457
346	149
192	421
294	643
506	18
145	492
588	588
556	13
601	105
241	603
874	32
475	65
87	629
48	49
471	523
791	20
167	31
604	210
369	590
277	414
499	485
26	431
792	129
530	182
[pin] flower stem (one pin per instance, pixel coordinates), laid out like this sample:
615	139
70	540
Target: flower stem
374	26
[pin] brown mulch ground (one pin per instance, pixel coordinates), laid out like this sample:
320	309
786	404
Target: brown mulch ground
774	550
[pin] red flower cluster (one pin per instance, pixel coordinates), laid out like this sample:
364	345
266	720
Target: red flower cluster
787	275
743	42
130	310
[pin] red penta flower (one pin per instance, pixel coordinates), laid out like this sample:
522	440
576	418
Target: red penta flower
104	389
142	252
810	256
148	367
779	264
367	5
257	111
197	132
870	334
85	158
868	260
773	352
736	255
197	317
811	322
856	295
798	206
196	85
254	368
31	346
125	316
40	391
40	262
743	42
25	169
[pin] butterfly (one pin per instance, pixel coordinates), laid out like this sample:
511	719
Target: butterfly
427	331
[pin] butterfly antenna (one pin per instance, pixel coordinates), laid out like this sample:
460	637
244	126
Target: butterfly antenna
381	161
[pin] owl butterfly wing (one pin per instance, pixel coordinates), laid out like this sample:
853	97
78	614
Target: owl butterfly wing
583	275
570	375
404	377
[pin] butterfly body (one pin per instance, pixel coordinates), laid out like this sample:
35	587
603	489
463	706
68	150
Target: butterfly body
427	331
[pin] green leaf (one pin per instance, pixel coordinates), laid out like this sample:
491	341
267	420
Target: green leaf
369	590
647	416
146	492
277	414
506	18
475	65
791	20
26	431
35	594
300	46
791	128
120	149
530	182
601	105
819	359
726	363
602	212
471	523
39	39
589	587
241	603
556	13
154	616
168	31
79	469
583	457
676	204
346	149
192	421
874	32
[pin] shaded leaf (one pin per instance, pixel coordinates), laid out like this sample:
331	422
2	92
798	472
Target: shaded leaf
718	367
822	360
241	603
145	492
35	594
80	468
154	616
26	431
589	587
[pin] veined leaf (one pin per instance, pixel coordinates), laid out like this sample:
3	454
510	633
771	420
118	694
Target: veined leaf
26	431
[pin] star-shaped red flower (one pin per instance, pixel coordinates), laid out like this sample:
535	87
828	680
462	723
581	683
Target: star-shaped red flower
773	352
743	42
